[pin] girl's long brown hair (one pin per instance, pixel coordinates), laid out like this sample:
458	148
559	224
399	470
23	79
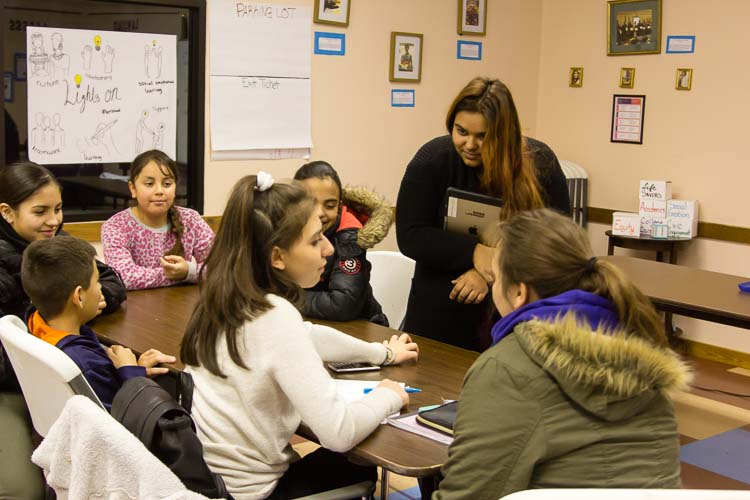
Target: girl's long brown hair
508	167
551	254
168	168
238	272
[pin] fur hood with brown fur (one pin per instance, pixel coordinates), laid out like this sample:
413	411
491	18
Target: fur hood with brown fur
610	375
362	200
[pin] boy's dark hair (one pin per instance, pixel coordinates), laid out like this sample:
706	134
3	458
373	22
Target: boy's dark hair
52	268
320	170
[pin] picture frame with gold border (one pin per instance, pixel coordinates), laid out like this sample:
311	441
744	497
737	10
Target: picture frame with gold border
575	77
633	27
683	79
334	12
627	78
406	57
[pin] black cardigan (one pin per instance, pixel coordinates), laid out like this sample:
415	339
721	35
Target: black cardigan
442	256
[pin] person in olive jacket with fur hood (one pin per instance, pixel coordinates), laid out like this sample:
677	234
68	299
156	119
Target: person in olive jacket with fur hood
576	390
354	220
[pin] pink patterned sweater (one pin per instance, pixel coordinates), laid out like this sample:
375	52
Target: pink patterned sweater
134	250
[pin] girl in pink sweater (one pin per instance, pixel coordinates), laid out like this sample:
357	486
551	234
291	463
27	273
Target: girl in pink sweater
155	243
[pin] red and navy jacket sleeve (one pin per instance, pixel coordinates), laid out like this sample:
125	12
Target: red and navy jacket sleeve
343	292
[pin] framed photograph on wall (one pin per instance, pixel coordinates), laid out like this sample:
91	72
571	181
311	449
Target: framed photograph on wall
406	57
472	17
633	27
332	12
627	118
684	79
627	78
575	77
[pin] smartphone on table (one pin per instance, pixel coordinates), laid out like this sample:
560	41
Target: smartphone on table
348	367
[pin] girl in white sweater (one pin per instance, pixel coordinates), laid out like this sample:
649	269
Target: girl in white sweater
257	365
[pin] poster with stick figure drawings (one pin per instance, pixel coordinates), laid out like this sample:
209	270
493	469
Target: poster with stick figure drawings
100	96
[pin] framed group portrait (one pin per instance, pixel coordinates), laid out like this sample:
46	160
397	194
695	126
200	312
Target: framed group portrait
633	27
334	12
472	17
684	79
406	57
627	78
575	76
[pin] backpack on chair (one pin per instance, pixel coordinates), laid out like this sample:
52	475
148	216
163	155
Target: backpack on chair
166	428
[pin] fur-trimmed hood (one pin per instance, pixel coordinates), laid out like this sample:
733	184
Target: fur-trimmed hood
363	201
610	375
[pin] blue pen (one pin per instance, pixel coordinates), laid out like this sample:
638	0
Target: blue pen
407	389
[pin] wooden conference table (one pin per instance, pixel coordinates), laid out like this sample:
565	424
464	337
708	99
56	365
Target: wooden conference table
157	319
689	292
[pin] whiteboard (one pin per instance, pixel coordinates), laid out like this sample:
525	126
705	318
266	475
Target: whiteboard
260	78
100	96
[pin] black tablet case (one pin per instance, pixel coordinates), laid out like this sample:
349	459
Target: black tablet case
442	418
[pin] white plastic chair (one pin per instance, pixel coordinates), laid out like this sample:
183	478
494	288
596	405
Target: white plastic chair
578	187
390	279
48	377
627	494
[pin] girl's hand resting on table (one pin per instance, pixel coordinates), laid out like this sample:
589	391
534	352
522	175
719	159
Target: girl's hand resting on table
175	267
395	387
403	349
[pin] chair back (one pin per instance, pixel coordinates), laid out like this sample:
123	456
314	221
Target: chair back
48	377
578	191
390	279
625	494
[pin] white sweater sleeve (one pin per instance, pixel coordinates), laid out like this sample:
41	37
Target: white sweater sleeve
333	345
299	372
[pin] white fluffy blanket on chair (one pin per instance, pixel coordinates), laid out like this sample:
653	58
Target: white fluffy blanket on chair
88	454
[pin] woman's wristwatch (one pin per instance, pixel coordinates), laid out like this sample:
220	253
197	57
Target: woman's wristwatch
389	356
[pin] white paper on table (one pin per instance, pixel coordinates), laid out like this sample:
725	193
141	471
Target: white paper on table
354	390
409	423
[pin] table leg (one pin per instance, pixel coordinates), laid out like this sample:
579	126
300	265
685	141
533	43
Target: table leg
610	246
383	483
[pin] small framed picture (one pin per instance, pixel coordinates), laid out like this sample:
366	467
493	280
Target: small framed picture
575	78
633	27
627	78
406	57
472	17
332	12
8	86
684	79
627	118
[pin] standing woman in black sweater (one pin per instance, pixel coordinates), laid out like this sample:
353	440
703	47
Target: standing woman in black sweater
484	153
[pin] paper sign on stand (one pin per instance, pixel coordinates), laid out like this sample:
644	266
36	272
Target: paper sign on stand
655	190
626	224
682	209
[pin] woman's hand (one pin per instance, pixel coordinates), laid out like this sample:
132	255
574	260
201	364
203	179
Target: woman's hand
403	348
469	288
121	356
175	267
151	358
395	387
483	256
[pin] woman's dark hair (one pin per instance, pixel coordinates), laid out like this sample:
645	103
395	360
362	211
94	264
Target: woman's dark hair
320	170
233	290
508	169
168	168
551	254
21	180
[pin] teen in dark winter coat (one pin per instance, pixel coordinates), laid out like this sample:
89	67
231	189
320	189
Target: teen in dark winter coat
354	220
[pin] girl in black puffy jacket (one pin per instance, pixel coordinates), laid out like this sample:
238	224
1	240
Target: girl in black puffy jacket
354	220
